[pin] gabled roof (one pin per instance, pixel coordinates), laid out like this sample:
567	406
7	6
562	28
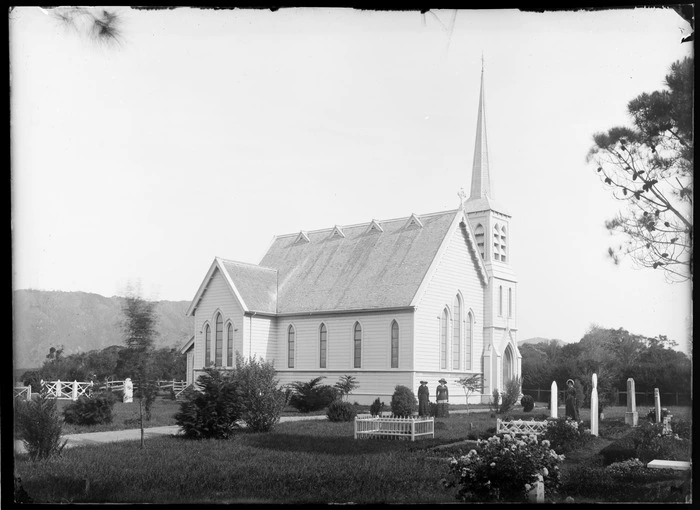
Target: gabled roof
363	270
255	287
189	345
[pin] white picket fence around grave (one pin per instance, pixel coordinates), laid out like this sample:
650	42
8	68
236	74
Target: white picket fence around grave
23	392
393	427
64	390
521	427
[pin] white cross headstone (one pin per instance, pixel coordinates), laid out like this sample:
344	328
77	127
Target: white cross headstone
594	406
553	400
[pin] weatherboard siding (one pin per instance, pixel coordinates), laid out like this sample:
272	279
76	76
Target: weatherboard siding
217	297
261	337
455	272
376	341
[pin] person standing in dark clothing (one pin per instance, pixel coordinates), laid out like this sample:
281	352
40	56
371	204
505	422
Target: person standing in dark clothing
443	398
571	401
423	399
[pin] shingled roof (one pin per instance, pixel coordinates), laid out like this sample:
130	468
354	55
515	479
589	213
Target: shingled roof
359	268
370	266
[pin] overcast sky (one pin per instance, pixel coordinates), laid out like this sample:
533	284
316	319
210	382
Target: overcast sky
205	133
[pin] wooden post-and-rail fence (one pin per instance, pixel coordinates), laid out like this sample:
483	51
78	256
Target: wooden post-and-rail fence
66	390
619	398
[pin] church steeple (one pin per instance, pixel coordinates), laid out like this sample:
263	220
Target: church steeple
481	179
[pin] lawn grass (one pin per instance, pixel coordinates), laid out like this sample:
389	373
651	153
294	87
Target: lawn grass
313	461
126	416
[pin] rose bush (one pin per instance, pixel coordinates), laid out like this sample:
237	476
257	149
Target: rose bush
504	469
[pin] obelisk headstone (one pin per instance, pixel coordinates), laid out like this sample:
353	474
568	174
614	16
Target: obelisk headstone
657	404
631	416
594	406
553	400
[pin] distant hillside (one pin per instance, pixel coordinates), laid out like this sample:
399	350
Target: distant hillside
538	339
81	322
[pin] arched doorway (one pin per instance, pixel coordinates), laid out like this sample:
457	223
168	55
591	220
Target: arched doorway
507	365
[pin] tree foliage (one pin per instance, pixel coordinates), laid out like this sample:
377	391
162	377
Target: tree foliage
614	355
649	167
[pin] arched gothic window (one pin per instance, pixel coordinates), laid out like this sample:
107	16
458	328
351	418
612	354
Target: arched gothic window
207	345
219	340
229	345
322	345
394	344
469	333
500	301
456	333
357	345
510	302
444	332
290	346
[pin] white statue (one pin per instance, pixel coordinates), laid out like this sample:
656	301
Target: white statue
128	391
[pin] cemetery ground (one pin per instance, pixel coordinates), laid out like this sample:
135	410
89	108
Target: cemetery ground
315	461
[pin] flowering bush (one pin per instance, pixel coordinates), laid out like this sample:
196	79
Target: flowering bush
566	434
505	469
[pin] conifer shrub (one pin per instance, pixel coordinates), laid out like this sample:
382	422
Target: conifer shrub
91	410
339	410
403	401
528	403
211	412
312	395
376	407
39	425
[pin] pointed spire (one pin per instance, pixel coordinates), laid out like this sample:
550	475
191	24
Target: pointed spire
481	179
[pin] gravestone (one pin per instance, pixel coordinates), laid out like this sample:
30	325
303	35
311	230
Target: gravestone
657	404
594	406
128	391
631	416
536	494
553	400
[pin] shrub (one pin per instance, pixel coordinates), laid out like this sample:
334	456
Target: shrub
339	410
261	396
627	481
346	384
566	435
432	409
651	415
213	411
376	407
528	403
621	450
683	428
311	396
504	469
39	426
91	410
495	400
510	395
403	401
651	442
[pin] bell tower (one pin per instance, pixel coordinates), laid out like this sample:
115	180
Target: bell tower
491	226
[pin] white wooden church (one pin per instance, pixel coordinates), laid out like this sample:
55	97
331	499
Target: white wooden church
397	301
